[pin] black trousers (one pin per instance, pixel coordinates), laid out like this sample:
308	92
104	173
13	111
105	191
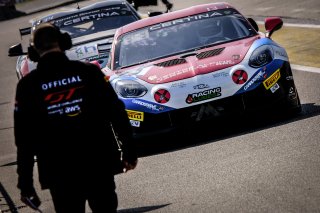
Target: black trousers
71	198
165	1
139	3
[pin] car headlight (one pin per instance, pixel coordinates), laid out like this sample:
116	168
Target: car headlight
261	56
130	89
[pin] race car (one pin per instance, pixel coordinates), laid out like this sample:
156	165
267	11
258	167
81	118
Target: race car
199	63
91	29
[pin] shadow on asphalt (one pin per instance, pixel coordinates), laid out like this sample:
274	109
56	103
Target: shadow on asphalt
210	132
142	209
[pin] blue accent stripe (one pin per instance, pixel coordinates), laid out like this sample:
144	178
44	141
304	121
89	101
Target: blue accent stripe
145	106
260	75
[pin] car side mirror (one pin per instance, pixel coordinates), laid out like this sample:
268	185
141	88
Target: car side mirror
16	50
104	48
253	24
107	72
272	24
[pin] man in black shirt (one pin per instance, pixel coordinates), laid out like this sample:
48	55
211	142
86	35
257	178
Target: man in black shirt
65	115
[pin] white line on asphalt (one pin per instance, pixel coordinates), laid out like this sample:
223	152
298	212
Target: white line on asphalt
295	25
302	25
305	68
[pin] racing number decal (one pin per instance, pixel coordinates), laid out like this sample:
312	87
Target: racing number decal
57	97
162	96
240	77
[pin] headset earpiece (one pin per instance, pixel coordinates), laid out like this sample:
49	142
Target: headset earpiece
65	41
33	54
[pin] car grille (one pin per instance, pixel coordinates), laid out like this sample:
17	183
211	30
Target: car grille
171	62
209	53
185	116
210	110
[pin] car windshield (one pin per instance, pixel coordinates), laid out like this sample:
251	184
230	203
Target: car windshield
96	20
180	35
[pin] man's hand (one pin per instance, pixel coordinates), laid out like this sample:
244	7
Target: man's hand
31	199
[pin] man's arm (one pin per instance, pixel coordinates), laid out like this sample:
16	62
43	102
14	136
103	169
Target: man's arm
25	154
121	124
120	121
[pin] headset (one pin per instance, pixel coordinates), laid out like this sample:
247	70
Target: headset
64	41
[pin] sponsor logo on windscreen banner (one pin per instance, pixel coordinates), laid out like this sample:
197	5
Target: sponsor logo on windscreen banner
91	15
202	16
269	82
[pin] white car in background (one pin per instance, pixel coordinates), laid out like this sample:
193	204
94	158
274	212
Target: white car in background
91	28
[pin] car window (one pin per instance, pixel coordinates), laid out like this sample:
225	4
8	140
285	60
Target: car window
180	35
95	20
98	25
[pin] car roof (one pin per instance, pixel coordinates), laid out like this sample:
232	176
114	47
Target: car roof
172	15
86	8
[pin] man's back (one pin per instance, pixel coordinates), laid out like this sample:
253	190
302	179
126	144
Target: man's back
71	107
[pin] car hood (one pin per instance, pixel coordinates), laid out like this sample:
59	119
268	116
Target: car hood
92	37
192	64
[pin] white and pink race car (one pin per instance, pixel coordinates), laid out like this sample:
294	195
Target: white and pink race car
199	63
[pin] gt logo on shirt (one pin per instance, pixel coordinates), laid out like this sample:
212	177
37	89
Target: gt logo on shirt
72	109
64	95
